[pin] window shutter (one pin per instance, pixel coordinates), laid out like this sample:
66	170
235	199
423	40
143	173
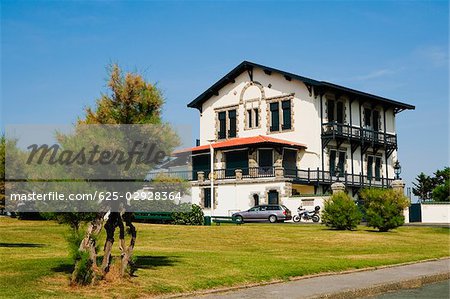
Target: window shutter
275	117
330	110
332	162
369	167
341	163
256	118
249	118
377	168
232	118
222	124
286	106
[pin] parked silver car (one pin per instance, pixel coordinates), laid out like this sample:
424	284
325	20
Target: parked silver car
271	213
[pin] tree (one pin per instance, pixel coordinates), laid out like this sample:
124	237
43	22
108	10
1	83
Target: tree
341	212
423	187
435	187
131	100
384	208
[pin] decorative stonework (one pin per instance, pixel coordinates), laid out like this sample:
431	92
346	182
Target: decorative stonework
288	190
238	174
252	199
249	84
398	185
201	176
279	172
337	187
227	122
279	99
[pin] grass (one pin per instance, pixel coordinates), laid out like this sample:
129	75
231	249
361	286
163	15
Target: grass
174	259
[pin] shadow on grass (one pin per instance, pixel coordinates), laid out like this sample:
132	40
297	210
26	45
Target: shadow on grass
15	245
63	268
141	262
149	262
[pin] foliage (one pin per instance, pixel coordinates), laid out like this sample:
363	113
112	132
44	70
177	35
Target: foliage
434	187
384	208
442	192
193	217
74	219
83	273
423	187
341	212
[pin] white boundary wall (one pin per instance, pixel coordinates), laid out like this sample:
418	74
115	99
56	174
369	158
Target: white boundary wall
435	213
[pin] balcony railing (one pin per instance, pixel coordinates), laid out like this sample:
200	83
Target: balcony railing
334	129
310	176
303	176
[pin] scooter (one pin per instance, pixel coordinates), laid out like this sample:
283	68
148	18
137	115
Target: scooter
307	215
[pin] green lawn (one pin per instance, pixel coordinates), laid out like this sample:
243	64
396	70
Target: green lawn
171	258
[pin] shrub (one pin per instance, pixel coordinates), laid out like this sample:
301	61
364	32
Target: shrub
384	208
83	273
193	217
341	212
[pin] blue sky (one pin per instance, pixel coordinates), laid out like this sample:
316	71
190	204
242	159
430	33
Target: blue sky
53	56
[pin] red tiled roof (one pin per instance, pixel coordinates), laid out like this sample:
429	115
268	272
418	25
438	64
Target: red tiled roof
241	142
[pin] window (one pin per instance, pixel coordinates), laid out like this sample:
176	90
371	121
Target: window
222	125
290	162
280	112
335	111
207	198
252	118
339	167
374	168
369	167
236	160
330	110
367	117
377	168
249	118
232	119
375	116
340	112
273	197
201	163
227	124
274	117
256	199
286	106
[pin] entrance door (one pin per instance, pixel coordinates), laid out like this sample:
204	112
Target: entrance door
290	162
265	162
273	197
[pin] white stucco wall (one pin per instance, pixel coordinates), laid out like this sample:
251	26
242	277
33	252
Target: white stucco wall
435	213
239	197
306	117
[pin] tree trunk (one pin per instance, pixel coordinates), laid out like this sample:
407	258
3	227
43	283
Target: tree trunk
88	244
127	252
110	227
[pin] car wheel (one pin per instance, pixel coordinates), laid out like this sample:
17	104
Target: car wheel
239	219
296	218
273	218
315	218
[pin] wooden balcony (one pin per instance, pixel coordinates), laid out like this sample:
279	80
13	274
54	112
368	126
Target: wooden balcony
302	176
342	132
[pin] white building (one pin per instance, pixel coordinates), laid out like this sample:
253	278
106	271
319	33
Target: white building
283	138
